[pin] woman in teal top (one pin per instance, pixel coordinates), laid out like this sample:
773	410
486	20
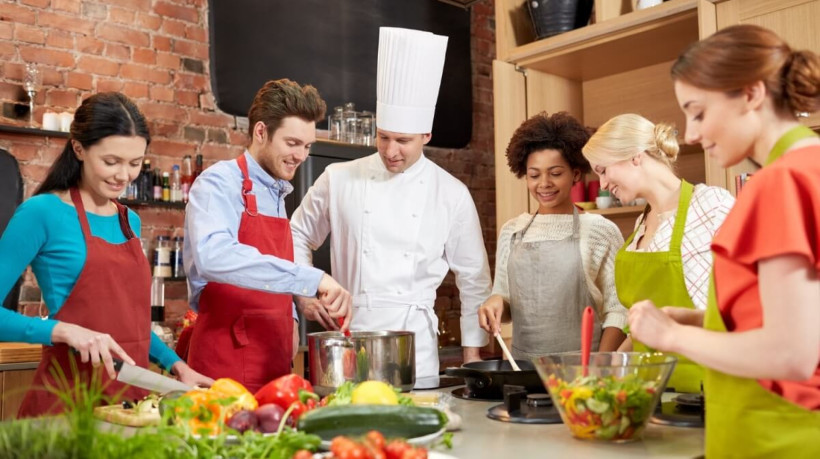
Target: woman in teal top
84	250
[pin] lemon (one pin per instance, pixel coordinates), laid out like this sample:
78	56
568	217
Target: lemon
374	393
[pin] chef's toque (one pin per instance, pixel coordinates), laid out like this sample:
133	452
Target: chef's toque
408	80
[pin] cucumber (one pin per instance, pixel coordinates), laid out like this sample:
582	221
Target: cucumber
393	421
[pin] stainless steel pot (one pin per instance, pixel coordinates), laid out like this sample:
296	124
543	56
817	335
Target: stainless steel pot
388	356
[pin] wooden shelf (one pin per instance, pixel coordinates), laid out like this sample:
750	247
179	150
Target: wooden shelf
32	131
634	40
140	203
625	210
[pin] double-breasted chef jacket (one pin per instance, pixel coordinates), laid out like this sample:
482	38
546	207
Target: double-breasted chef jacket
394	236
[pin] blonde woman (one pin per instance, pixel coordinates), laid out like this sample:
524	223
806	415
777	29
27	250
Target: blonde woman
667	258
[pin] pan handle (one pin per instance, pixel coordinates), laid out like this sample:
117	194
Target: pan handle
480	379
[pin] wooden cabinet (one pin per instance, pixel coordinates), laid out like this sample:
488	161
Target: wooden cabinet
618	65
15	384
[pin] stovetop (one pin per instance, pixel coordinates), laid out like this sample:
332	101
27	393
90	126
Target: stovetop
685	410
520	407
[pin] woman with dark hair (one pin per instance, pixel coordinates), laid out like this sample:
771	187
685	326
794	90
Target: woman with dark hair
550	265
759	338
83	247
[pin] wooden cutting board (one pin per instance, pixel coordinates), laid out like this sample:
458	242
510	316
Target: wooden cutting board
20	352
116	414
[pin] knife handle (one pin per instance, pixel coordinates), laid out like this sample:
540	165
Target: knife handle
117	364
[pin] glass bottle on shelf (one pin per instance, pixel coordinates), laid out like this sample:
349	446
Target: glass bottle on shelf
334	124
349	131
367	133
187	177
166	187
177	266
198	167
157	188
157	299
145	181
162	257
176	184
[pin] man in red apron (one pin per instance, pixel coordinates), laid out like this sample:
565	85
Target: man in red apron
239	248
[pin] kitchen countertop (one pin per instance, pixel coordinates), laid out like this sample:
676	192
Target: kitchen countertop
19	352
482	437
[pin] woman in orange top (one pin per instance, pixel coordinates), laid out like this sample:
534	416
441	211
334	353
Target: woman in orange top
761	342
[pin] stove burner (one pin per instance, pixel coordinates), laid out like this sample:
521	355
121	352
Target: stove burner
536	409
538	400
465	394
685	410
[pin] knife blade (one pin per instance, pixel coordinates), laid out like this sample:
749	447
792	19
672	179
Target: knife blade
147	379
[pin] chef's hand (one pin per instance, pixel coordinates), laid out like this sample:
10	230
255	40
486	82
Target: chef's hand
336	300
312	309
295	339
190	376
471	354
94	346
685	316
489	314
651	326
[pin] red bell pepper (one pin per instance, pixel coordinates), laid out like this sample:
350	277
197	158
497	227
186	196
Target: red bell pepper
286	391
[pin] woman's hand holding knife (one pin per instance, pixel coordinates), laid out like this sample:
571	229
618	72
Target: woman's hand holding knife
92	346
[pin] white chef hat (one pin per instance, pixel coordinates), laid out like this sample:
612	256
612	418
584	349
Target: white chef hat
408	80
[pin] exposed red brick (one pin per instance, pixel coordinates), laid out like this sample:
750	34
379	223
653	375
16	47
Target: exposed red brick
162	94
63	98
123	35
218	152
139	5
149	21
172	27
121	15
143	73
170	148
7	51
59	39
17	14
145	56
6	30
191	49
184	13
10	91
98	65
189	98
71	23
206	101
25	151
196	33
135	90
163	111
118	52
29	34
192	81
34	172
168	61
163	129
211	119
72	6
37	3
161	43
46	56
90	45
109	85
80	81
237	137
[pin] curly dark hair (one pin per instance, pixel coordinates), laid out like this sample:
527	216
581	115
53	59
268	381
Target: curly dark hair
559	131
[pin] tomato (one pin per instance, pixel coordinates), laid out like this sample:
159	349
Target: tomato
621	396
375	439
395	449
303	454
415	453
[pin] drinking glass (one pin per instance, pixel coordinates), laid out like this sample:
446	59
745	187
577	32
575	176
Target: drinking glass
31	84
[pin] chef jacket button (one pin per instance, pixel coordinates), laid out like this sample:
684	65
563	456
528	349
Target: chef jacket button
406	254
398	291
415	215
367	211
364	290
267	287
304	290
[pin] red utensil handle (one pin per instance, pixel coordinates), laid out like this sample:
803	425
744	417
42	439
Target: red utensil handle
586	337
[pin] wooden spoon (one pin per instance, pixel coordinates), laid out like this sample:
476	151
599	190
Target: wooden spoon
507	352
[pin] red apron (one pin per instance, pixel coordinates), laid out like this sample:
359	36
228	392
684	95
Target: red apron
242	333
111	295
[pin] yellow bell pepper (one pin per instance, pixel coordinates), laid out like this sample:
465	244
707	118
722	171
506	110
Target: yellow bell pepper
224	388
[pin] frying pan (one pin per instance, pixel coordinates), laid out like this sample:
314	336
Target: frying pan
486	379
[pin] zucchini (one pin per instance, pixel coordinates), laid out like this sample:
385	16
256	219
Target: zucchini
393	421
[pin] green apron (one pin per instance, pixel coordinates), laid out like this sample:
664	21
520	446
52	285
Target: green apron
658	276
743	419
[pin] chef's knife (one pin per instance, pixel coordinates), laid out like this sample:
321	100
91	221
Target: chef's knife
147	379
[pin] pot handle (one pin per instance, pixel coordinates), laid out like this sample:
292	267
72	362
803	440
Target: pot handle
481	379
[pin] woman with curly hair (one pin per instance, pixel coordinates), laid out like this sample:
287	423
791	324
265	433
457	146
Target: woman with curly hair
670	247
552	264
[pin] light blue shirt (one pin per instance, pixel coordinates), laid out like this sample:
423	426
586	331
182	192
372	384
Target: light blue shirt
212	251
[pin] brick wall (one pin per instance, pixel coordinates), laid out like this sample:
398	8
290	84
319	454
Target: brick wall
156	52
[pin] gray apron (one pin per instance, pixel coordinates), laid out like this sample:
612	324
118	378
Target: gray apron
548	294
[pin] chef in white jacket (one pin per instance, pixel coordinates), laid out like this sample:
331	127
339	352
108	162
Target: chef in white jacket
398	221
